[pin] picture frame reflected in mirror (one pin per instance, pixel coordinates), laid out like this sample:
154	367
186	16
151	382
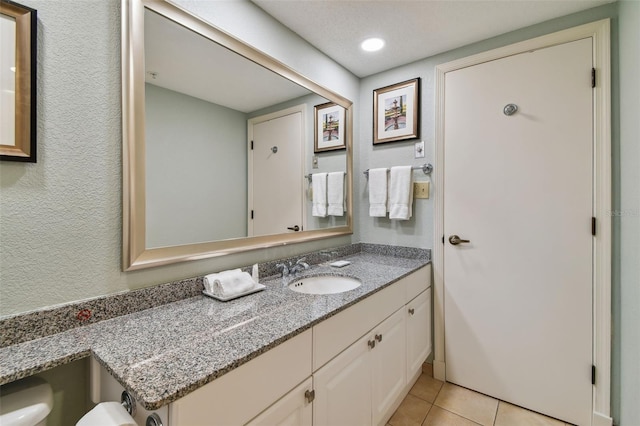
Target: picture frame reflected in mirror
329	128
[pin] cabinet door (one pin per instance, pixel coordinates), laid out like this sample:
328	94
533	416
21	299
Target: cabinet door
388	364
343	388
293	409
418	315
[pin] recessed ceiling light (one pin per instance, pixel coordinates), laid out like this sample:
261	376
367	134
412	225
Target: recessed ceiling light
372	44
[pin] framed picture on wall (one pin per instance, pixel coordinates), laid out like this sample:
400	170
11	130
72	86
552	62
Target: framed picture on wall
329	128
396	112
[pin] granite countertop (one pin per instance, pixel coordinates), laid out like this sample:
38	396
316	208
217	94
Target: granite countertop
162	354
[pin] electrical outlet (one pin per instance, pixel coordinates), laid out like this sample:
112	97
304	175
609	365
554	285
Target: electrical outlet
420	189
314	164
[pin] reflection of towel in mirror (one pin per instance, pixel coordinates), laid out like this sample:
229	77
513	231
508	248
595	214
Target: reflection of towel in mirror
228	283
400	193
319	187
378	192
335	193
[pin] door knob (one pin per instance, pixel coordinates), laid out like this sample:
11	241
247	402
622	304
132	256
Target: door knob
295	228
455	240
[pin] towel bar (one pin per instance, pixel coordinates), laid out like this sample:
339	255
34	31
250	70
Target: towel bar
309	177
427	168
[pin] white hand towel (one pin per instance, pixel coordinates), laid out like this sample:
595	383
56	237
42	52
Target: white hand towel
335	193
400	193
378	192
319	187
228	283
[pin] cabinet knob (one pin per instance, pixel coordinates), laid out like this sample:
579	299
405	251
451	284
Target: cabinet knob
310	395
412	311
379	337
372	343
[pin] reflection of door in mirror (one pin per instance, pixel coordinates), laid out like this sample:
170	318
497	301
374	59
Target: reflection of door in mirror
275	193
187	99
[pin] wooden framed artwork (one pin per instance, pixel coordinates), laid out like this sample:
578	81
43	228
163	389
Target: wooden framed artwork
396	112
329	128
18	82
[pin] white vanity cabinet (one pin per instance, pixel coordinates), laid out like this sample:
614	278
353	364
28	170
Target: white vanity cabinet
353	368
418	319
240	395
362	384
293	409
388	365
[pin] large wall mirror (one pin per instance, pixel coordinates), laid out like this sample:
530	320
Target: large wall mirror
218	144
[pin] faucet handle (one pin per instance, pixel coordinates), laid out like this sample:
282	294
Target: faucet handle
284	268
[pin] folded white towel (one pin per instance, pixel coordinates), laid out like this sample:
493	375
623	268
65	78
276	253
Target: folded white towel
319	187
378	192
400	193
335	193
228	283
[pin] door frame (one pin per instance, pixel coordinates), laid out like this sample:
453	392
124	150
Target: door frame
599	31
302	109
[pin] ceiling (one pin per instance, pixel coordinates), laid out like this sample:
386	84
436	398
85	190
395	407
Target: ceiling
183	61
413	29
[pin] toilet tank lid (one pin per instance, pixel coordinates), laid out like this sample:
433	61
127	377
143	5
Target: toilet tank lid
25	402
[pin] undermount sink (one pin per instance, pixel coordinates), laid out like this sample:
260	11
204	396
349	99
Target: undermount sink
324	284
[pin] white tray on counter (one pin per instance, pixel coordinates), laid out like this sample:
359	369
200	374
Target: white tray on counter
257	288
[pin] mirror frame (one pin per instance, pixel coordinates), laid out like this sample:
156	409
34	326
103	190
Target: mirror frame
26	19
135	255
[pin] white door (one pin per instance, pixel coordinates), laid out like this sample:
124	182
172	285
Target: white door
343	388
275	202
518	296
389	364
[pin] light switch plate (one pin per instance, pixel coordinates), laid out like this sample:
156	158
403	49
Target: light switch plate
419	149
420	189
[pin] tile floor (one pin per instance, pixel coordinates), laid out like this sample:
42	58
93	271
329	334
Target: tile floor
434	403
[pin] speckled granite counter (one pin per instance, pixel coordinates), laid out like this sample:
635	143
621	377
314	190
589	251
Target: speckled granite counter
163	353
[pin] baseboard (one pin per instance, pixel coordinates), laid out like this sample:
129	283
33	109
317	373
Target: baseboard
601	420
439	370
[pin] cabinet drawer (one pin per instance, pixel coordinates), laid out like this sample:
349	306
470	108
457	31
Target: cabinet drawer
333	335
243	393
418	282
291	409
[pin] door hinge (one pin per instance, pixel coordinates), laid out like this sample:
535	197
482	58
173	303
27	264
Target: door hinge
593	77
310	395
251	145
593	226
443	239
593	374
251	214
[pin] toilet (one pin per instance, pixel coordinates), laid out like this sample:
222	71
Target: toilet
107	413
29	401
25	402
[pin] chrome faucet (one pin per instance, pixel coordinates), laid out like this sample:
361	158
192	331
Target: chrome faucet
292	268
284	268
300	265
